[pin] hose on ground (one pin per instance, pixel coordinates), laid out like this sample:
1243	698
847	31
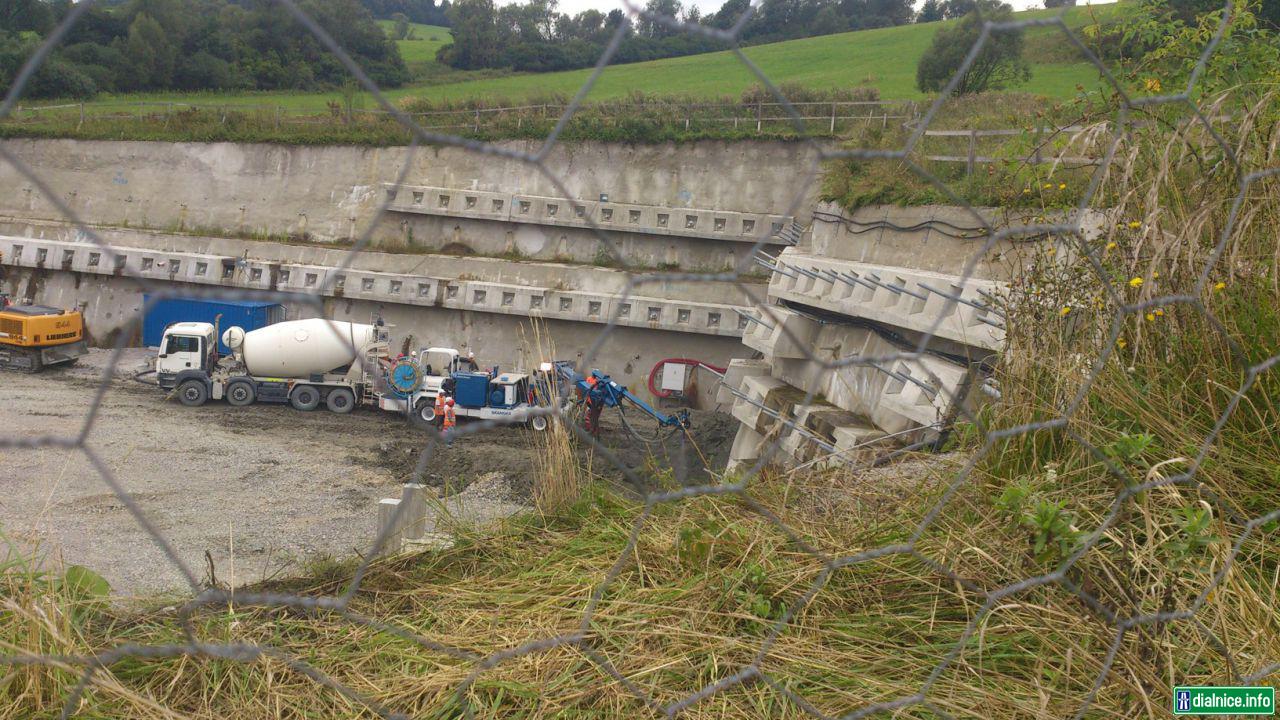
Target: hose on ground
646	439
137	377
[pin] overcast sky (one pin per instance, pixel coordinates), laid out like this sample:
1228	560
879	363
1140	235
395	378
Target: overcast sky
573	7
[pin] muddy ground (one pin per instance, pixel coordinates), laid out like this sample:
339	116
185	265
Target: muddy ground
246	494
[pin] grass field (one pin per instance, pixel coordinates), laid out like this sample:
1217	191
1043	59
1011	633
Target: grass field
884	58
426	40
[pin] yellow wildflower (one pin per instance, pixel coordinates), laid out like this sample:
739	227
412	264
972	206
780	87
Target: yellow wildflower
1152	84
1120	343
1062	186
1159	312
1155	274
1064	311
1111	245
1048	186
1150	317
1026	191
1135	282
1135	224
1219	286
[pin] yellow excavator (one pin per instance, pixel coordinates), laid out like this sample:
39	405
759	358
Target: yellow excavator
33	337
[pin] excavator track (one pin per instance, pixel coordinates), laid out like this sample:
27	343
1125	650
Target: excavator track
20	359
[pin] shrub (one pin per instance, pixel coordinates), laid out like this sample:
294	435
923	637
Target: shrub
997	65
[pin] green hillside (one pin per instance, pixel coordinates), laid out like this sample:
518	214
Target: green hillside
424	43
884	58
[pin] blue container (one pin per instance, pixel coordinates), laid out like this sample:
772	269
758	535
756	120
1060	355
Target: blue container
472	389
248	314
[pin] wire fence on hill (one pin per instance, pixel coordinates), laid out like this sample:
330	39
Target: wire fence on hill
806	120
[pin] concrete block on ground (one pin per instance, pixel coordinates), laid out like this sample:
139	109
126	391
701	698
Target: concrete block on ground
390	527
414	499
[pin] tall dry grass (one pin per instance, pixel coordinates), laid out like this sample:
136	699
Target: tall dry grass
1148	369
560	474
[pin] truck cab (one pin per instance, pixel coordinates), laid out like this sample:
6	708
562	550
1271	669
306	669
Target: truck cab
188	350
438	361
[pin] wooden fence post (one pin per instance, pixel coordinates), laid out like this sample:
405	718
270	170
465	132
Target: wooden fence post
973	149
81	115
833	118
277	117
759	115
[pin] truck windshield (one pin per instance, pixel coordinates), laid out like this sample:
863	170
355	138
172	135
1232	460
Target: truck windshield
438	361
182	343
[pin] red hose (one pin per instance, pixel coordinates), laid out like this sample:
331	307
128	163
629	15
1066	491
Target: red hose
658	393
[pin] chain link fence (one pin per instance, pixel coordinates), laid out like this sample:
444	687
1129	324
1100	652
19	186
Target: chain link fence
1246	520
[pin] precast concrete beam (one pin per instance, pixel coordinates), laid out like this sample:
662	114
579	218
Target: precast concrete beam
734	374
603	306
730	226
944	305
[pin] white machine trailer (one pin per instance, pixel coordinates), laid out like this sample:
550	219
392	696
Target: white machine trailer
504	398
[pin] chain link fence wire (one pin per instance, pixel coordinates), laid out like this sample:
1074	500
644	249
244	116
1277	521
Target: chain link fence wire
915	545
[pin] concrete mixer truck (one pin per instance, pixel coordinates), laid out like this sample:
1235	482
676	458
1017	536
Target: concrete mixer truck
305	363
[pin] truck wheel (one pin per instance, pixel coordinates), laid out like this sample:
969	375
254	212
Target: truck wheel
340	400
538	423
241	394
193	393
304	397
426	411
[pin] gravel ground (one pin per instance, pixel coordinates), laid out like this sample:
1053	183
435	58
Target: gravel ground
249	493
277	486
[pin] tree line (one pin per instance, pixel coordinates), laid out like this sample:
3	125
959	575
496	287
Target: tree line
426	12
532	36
192	45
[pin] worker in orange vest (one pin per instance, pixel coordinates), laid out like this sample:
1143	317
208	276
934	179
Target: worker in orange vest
594	398
440	404
450	419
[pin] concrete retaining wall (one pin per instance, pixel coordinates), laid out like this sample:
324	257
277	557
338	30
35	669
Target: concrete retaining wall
330	194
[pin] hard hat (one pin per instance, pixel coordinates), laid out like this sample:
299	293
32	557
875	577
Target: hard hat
471	354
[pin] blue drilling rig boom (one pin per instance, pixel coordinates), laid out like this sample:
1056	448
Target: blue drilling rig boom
600	386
